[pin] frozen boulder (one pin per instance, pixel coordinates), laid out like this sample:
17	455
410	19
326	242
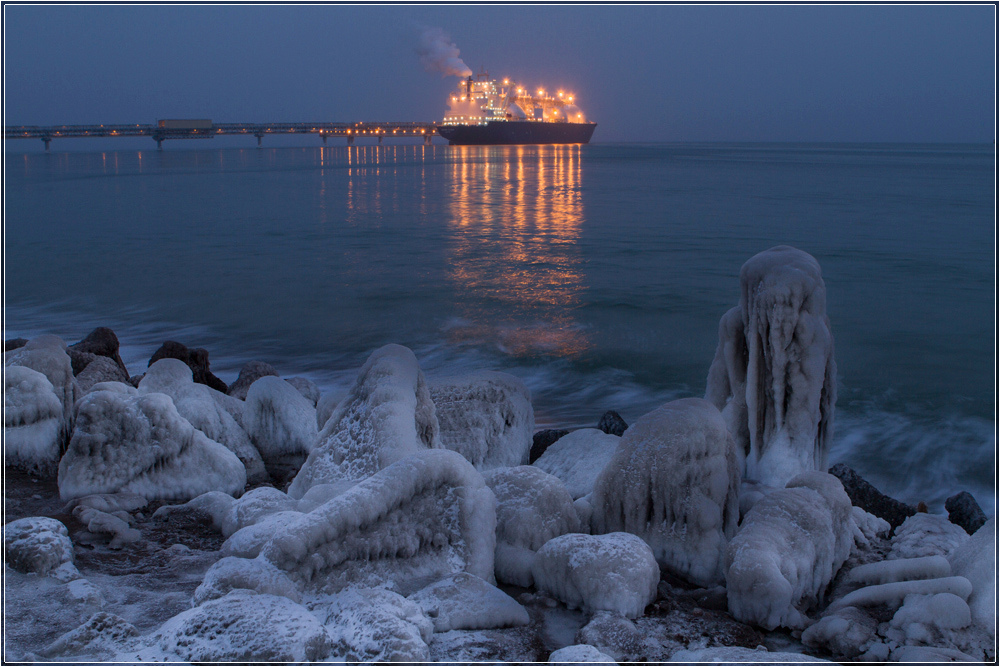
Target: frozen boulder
578	458
486	417
892	595
307	388
847	633
104	523
976	560
929	620
195	358
212	507
280	421
732	655
465	602
787	551
46	354
196	403
249	541
387	415
244	626
674	481
101	342
101	369
612	423
542	440
253	506
103	634
926	535
140	444
37	544
964	511
580	653
376	625
32	421
230	573
532	508
870	499
774	376
250	373
325	406
415	521
614	572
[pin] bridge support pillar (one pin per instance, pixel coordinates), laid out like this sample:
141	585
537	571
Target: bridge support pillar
350	140
322	135
47	141
380	139
159	144
260	139
427	139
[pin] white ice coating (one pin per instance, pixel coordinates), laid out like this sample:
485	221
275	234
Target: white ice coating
731	655
847	632
32	421
613	572
674	481
140	444
901	569
532	508
47	355
930	620
787	550
116	525
387	414
486	417
926	535
976	560
578	458
375	625
253	506
37	544
195	402
279	419
580	653
421	518
465	602
229	573
248	542
893	594
774	376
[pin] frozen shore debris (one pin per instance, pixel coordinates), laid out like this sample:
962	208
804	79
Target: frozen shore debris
196	359
578	458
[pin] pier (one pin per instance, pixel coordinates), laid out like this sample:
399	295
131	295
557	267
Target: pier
205	129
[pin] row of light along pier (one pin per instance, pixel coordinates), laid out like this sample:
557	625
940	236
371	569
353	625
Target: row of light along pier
206	129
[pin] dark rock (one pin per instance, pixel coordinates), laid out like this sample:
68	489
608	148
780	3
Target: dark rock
103	342
964	511
136	379
250	373
612	423
14	343
196	359
870	499
307	388
542	441
79	360
101	369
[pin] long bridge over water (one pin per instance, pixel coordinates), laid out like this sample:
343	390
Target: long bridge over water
206	129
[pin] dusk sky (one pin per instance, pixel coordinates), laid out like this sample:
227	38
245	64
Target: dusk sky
647	73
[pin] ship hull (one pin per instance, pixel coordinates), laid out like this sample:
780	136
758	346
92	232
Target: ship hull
517	132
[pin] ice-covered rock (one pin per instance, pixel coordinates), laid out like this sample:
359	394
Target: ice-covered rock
255	574
248	542
307	388
929	620
542	440
465	602
579	654
926	535
47	355
532	508
212	507
253	506
376	625
846	633
280	421
387	414
36	544
788	549
32	421
101	369
901	569
195	358
870	528
195	402
243	626
250	373
140	444
103	633
732	655
964	511
892	595
912	655
486	417
774	376
612	572
870	499
325	406
976	560
110	502
419	519
674	481
578	458
100	522
101	342
322	493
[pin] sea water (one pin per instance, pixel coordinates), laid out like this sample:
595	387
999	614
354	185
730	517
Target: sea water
597	274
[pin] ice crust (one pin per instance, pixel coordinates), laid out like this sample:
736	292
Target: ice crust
230	573
465	602
847	632
253	506
737	654
140	444
787	550
280	420
33	421
902	569
387	415
927	535
774	376
976	560
532	508
37	544
580	653
375	625
674	481
578	458
613	572
47	355
486	417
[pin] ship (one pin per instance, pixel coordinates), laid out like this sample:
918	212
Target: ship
484	111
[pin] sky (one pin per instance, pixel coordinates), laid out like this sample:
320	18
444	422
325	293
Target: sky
917	73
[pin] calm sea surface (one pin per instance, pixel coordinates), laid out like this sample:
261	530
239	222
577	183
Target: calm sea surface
597	274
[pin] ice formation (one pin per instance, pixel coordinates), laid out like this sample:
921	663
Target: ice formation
929	620
101	633
847	632
280	421
253	506
140	444
674	481
37	544
578	458
421	518
893	594
376	625
47	355
463	601
788	549
387	414
926	535
101	369
230	573
532	508
249	541
32	421
115	525
580	653
976	560
250	373
774	376
307	388
902	569
213	507
613	572
732	655
195	402
486	417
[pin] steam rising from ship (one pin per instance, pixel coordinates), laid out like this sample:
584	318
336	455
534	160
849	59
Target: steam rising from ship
439	54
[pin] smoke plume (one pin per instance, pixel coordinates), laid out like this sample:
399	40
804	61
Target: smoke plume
438	54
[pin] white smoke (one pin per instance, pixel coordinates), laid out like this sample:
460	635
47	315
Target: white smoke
438	53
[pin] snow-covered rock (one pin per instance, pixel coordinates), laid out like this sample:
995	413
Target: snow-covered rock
47	355
115	525
847	632
33	421
578	458
101	369
579	654
213	507
322	493
900	569
465	602
387	415
255	574
612	572
892	595
281	421
140	444
376	625
787	551
250	373
307	388
774	376
674	481
976	560
929	620
253	506
419	519
486	417
36	544
104	634
248	542
195	402
732	655
325	406
927	535
532	508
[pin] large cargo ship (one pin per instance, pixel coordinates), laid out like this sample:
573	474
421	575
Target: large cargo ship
485	111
